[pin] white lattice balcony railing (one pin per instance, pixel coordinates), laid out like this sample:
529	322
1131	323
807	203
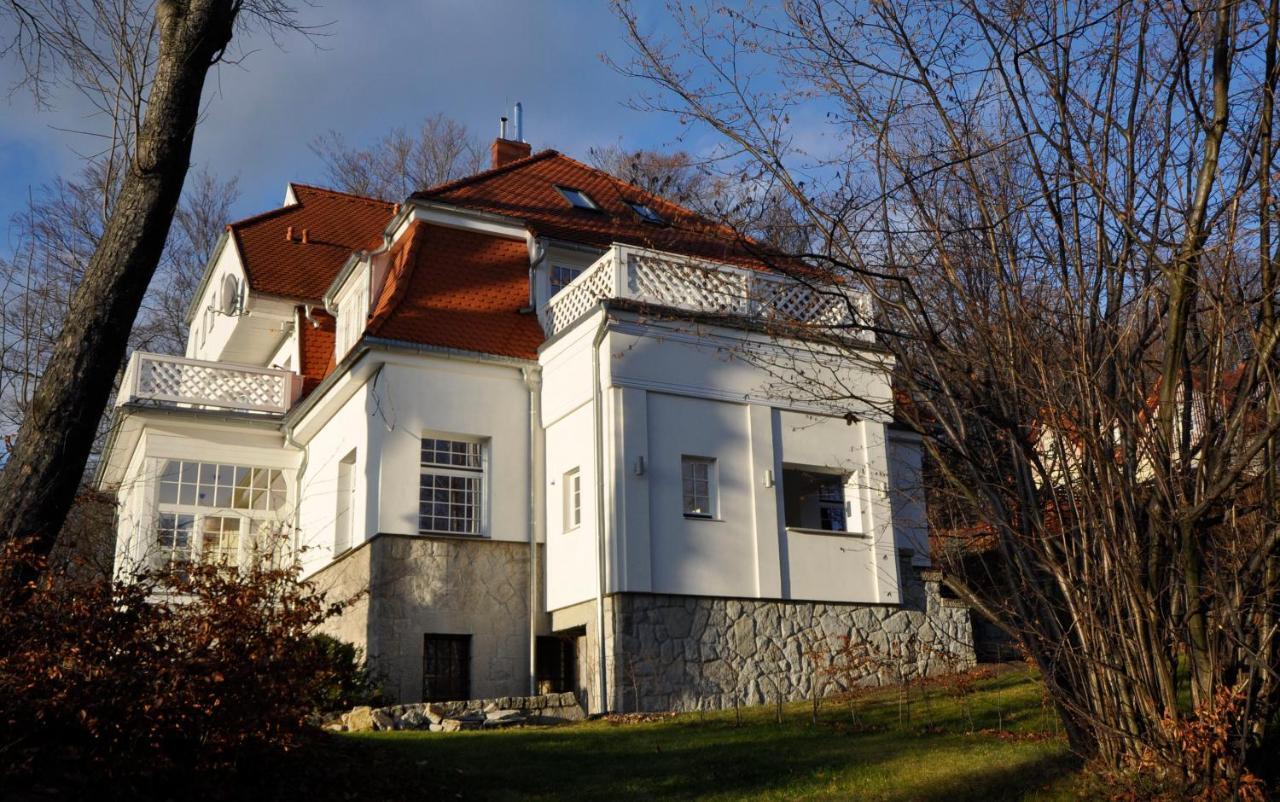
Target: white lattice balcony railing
178	381
670	280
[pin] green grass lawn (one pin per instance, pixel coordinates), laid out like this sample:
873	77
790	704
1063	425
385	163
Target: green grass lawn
1013	754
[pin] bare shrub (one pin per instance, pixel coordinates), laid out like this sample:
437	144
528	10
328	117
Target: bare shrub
143	682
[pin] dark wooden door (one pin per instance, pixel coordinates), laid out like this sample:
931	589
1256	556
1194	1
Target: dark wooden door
446	668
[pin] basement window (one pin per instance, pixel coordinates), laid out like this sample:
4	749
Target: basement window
646	213
578	199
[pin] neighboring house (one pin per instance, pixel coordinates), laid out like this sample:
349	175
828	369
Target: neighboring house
517	411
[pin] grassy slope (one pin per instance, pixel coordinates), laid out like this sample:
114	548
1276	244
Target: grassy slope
710	757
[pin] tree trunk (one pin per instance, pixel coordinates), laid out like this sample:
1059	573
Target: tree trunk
43	471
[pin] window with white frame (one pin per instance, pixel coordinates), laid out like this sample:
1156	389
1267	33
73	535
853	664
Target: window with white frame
562	277
816	499
698	477
572	499
346	504
353	309
451	487
214	511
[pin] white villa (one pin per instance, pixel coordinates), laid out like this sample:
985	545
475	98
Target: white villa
519	411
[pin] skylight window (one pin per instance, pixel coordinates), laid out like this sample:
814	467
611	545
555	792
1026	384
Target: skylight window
579	199
648	214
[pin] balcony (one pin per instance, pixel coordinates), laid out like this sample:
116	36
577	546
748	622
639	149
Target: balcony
669	280
175	381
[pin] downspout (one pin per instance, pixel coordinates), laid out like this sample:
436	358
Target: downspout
597	394
533	381
302	470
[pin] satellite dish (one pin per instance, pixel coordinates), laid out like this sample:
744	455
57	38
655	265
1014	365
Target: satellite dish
230	295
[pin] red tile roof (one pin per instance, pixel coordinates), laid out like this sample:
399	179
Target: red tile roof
458	289
336	224
526	189
315	348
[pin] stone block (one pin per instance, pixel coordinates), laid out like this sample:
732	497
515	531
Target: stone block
360	719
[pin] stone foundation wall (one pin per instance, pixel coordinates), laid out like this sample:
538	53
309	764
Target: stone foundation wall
440	585
688	653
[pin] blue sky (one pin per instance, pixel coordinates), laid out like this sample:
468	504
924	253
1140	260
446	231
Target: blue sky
381	64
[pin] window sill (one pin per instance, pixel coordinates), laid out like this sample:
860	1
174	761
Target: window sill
689	516
800	530
466	535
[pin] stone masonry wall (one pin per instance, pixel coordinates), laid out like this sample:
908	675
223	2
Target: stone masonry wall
687	653
440	585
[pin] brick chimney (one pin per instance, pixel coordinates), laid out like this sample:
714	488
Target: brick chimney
505	151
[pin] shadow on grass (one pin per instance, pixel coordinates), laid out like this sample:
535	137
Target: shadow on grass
680	760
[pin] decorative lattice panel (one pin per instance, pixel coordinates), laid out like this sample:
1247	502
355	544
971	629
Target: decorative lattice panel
794	302
688	286
208	384
581	296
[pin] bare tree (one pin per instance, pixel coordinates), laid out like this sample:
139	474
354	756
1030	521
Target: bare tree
144	65
401	163
1063	215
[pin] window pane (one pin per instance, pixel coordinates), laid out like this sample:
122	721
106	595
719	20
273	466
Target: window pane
696	484
813	500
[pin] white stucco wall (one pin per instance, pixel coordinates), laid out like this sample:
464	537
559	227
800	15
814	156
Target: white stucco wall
415	396
669	394
210	329
346	430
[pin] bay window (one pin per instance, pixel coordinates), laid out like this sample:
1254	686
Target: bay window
215	512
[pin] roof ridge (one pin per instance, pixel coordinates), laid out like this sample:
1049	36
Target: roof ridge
340	193
484	175
267	215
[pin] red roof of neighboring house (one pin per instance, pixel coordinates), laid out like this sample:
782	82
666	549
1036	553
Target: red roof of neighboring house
526	189
458	289
335	224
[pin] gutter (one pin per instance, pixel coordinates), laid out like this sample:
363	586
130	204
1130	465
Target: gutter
597	395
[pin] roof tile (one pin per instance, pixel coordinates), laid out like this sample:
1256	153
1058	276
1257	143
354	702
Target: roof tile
336	223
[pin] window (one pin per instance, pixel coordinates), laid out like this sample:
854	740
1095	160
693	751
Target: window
215	512
446	668
572	499
562	276
698	475
814	500
353	310
452	480
232	487
173	537
220	539
346	504
645	212
579	199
